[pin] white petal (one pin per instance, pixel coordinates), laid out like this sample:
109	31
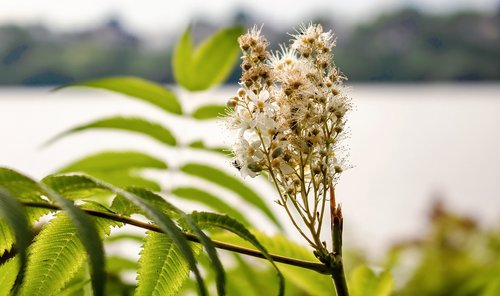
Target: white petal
255	144
252	96
264	95
286	169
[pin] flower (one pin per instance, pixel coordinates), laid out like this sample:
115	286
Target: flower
290	115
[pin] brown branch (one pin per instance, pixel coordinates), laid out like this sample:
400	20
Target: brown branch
318	267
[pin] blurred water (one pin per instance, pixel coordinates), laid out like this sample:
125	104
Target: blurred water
409	144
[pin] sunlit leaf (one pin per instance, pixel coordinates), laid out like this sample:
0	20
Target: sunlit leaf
13	213
203	239
163	221
137	88
364	282
73	186
124	179
204	219
117	264
6	237
127	207
199	144
310	281
181	60
210	63
209	112
162	268
216	203
55	256
129	124
89	236
225	180
114	160
8	274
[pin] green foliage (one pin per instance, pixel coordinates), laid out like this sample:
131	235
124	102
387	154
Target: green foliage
6	237
120	168
198	144
162	270
209	112
13	213
8	274
131	124
209	63
310	282
55	256
74	186
195	194
210	220
107	161
89	236
364	282
59	251
87	207
456	257
139	89
225	180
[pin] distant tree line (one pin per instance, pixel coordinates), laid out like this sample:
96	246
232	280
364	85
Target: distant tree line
402	46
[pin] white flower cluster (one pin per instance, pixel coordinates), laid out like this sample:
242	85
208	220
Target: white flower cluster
289	114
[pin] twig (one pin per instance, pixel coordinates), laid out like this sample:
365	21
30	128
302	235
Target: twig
318	267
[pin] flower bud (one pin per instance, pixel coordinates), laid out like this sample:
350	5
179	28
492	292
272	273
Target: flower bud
231	103
277	152
254	167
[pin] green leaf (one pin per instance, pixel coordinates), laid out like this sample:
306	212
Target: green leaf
137	88
120	168
20	186
162	268
164	222
205	219
8	274
210	63
492	288
209	112
223	179
74	288
89	236
55	256
58	253
198	144
124	236
364	282
116	264
13	213
203	239
168	226
125	179
211	252
309	281
219	205
24	189
114	161
73	186
181	61
130	124
6	238
124	206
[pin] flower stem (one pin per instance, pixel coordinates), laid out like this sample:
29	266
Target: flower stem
337	222
339	280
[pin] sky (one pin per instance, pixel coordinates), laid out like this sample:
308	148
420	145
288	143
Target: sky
161	15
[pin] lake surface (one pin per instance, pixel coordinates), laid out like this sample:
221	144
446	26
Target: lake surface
409	145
